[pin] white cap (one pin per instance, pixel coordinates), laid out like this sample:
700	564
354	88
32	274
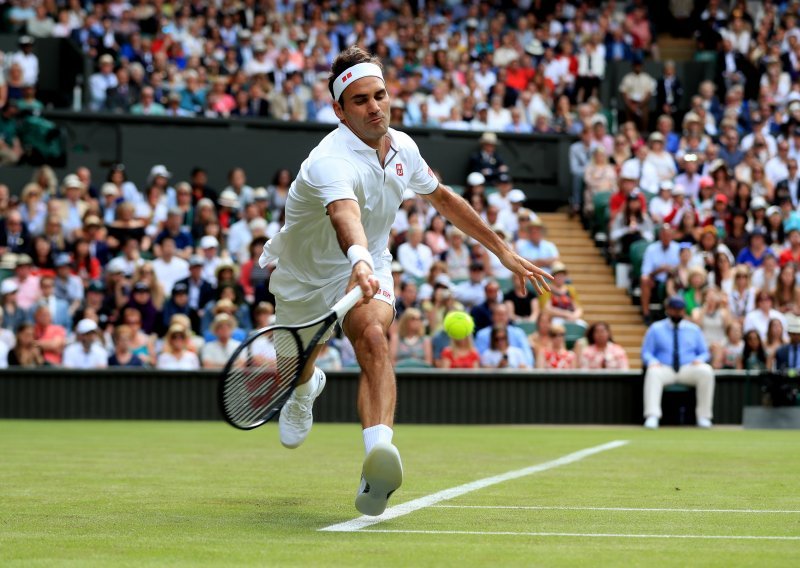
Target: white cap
8	286
516	196
228	198
109	188
258	224
72	180
476	178
629	170
260	193
678	190
117	265
209	241
758	202
666	184
792	323
85	326
160	170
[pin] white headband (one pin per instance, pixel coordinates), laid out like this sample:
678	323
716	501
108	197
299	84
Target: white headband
354	73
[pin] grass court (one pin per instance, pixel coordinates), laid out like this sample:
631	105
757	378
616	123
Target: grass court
203	494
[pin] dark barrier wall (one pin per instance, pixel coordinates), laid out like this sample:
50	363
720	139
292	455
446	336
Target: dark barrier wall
431	397
61	64
690	73
540	164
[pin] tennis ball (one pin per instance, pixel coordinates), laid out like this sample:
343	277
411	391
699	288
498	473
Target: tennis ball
458	325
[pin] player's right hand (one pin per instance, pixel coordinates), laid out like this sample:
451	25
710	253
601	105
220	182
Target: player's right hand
363	277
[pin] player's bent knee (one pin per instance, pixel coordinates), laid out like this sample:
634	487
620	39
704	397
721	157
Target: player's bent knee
372	341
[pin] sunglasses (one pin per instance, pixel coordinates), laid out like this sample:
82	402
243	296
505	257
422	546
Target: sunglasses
557	335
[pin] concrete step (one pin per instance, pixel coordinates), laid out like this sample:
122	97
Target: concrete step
609	308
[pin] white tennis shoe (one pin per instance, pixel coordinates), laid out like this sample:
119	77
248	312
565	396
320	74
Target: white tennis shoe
381	475
296	418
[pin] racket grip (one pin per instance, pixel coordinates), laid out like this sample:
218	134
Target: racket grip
350	299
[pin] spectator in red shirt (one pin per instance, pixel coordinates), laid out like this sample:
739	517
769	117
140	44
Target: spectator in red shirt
460	354
791	254
628	178
50	338
519	75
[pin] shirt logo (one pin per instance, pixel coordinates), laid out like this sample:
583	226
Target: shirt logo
346	77
399	168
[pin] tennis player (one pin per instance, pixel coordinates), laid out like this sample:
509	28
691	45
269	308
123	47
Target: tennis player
338	214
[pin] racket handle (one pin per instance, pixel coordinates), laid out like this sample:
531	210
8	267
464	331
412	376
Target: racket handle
350	299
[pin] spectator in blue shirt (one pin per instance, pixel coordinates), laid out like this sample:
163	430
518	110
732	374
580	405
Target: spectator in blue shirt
501	317
660	259
675	351
533	247
173	229
756	250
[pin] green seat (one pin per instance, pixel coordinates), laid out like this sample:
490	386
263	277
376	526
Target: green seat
459	189
601	211
419	280
411	364
527	326
505	284
677	388
574	332
636	257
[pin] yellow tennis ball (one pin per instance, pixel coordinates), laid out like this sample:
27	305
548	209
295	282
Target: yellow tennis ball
458	325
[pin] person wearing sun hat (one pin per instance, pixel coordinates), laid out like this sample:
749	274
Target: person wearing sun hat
217	352
13	314
85	352
28	289
176	355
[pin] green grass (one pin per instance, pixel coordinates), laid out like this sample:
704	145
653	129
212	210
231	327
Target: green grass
203	494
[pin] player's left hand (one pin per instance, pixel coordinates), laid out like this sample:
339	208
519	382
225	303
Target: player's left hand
525	270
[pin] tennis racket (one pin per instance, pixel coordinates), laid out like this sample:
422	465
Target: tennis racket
263	371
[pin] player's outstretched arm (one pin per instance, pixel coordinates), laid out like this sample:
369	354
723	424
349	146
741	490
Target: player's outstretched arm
345	216
459	212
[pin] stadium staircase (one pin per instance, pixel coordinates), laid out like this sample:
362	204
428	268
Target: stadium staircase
676	48
593	279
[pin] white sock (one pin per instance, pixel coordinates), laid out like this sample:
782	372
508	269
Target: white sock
374	434
309	386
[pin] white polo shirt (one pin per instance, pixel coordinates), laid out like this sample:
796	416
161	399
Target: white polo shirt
76	358
341	167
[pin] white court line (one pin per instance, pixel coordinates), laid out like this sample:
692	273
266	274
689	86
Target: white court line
627	509
593	535
453	492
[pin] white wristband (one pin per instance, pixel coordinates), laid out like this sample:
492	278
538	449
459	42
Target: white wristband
357	253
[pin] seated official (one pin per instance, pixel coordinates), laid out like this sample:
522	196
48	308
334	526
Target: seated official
787	357
675	351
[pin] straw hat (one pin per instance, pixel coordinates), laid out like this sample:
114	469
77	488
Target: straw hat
221	319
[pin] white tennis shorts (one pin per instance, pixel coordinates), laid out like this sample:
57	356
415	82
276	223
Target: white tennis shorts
316	301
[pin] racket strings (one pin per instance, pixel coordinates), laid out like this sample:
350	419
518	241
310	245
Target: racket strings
261	376
263	373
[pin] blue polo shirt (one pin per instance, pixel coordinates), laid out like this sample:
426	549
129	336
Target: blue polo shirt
182	240
660	339
656	255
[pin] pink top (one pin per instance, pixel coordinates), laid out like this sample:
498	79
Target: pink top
612	357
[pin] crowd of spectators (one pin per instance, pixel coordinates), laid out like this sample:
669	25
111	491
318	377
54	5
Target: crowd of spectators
137	257
515	67
715	189
165	273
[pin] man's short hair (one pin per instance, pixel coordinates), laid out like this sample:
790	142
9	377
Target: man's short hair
353	55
